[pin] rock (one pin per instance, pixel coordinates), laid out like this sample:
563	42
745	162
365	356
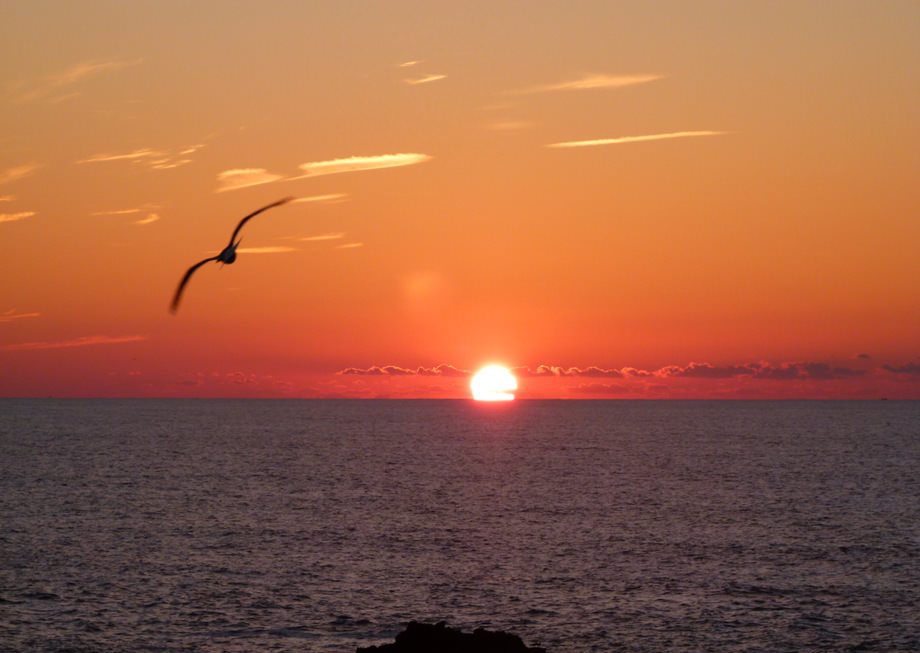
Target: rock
438	638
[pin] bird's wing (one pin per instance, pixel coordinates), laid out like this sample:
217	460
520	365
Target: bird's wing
188	275
254	214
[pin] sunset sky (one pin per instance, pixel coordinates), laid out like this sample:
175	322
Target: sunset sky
617	199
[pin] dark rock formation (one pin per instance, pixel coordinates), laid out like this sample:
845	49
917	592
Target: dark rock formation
438	638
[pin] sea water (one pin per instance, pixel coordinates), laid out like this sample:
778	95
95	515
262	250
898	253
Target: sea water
212	525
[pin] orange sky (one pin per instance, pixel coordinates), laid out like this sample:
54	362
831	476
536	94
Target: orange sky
621	186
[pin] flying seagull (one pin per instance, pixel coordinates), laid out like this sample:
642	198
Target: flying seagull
227	255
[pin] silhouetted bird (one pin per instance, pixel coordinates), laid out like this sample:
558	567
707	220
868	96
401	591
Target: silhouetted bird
227	255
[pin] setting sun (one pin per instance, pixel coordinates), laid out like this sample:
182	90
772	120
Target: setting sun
493	383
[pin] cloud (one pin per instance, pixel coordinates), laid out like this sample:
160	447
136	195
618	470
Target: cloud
634	139
11	315
553	370
7	198
427	79
910	369
16	173
330	236
408	64
143	153
61	82
510	125
358	163
395	370
803	371
153	159
813	371
83	341
245	177
589	82
117	212
350	245
765	371
706	371
151	217
329	197
266	250
132	211
13	217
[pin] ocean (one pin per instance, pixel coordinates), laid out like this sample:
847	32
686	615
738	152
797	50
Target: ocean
256	525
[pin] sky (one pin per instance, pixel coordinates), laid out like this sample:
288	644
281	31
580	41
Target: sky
615	199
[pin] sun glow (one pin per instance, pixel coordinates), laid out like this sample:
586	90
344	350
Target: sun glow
493	383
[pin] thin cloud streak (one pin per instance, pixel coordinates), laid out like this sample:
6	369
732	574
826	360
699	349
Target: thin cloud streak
140	209
510	125
83	71
237	178
427	79
17	172
153	159
635	139
151	217
350	246
276	249
15	217
589	82
244	178
11	315
329	197
143	153
7	198
321	237
408	64
359	163
83	341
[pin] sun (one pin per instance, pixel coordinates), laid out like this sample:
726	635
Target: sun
493	383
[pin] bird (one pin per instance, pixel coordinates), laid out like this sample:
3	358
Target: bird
226	257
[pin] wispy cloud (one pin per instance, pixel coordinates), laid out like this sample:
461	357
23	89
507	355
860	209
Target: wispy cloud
7	198
153	159
427	79
350	246
329	197
150	218
13	217
12	314
358	163
62	82
82	341
321	237
409	64
277	249
143	153
140	209
589	82
17	172
634	139
244	177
